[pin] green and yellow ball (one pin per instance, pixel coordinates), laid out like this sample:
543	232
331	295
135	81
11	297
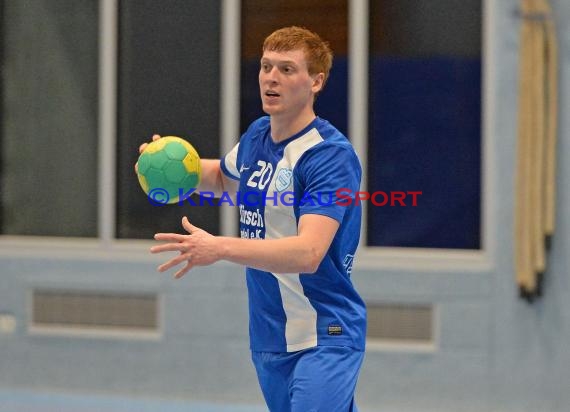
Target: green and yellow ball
168	167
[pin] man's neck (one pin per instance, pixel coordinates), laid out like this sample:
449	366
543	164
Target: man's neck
282	128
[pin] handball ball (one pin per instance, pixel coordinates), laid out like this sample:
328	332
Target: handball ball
168	167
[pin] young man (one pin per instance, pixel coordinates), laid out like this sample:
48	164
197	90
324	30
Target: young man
307	322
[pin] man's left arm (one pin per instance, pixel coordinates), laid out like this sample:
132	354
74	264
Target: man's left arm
302	253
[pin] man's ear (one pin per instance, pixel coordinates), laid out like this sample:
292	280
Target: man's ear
318	82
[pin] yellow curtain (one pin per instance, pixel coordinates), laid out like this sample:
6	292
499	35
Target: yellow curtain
536	151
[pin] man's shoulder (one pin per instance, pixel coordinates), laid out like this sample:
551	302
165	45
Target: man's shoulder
257	127
332	137
332	140
329	132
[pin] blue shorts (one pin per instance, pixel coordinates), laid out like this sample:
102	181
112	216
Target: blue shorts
322	378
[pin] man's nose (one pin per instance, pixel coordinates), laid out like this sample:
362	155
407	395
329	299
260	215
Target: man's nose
271	75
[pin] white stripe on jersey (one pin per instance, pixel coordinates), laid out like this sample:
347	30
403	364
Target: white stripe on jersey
301	326
230	161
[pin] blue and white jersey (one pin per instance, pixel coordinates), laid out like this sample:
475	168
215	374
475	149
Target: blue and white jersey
278	183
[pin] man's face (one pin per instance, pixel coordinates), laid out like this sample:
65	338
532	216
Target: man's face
285	84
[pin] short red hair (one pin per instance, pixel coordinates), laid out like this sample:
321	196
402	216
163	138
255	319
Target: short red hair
318	53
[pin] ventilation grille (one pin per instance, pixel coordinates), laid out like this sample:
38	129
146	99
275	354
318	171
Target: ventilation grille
401	323
94	311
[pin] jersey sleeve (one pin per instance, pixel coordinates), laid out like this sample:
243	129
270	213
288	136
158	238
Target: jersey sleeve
228	164
329	176
232	162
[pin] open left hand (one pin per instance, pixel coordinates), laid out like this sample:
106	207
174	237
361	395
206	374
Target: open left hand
198	248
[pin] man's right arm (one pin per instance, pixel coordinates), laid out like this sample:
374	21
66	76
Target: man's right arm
214	180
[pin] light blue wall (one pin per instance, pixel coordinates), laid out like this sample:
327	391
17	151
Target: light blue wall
494	351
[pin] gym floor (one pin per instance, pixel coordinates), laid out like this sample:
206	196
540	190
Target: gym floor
28	401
